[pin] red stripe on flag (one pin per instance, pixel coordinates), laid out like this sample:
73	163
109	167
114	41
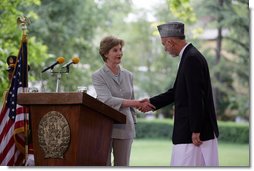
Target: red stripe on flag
6	128
3	112
6	151
9	156
11	161
20	159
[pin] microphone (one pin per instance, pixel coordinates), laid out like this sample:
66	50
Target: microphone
74	60
59	60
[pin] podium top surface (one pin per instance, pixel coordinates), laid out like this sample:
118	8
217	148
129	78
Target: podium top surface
51	98
70	98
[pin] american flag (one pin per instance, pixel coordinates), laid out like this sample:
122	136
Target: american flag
14	119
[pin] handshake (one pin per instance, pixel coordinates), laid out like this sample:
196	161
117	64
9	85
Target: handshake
144	105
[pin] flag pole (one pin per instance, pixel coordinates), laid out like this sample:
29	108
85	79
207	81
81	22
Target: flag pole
23	22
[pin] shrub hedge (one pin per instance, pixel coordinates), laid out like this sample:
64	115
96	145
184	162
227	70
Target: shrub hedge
163	128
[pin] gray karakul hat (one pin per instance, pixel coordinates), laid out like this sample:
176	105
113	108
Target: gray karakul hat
171	29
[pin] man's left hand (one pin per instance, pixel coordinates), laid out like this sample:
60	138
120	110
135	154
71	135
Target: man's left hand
196	139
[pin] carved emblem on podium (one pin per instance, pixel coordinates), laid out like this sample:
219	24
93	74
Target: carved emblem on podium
54	134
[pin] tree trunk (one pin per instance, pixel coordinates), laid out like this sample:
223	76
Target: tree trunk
218	54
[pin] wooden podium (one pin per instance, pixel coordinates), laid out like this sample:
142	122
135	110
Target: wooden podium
70	129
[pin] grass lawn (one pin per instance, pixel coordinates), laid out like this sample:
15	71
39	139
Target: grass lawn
158	153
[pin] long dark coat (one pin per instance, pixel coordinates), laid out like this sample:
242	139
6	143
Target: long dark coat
193	98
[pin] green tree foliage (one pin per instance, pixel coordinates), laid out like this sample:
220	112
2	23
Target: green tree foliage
67	28
154	70
70	27
229	58
182	9
237	44
231	69
11	37
75	27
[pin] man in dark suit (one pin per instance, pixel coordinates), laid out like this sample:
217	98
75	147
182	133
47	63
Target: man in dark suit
195	126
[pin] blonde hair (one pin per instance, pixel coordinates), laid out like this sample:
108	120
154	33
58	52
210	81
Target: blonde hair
108	43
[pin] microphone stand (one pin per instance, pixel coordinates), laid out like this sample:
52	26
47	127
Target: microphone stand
59	76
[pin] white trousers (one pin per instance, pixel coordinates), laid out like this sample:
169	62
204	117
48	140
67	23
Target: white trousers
190	155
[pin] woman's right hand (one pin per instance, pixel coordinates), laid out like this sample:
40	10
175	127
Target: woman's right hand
144	105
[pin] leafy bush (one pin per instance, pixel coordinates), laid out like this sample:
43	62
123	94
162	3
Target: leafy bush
163	128
234	132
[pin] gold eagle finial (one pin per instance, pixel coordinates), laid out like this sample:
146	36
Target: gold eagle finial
23	22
